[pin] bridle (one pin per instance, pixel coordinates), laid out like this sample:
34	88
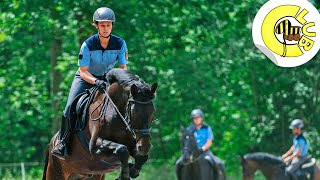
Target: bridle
192	160
144	132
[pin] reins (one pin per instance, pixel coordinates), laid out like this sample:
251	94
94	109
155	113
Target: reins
127	119
191	157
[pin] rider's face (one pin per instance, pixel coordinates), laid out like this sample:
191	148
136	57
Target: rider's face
296	131
104	28
197	120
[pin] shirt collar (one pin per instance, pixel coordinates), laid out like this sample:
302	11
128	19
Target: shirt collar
298	137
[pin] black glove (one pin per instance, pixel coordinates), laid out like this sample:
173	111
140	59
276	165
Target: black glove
200	150
100	83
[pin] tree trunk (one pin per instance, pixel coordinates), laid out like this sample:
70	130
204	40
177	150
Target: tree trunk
162	144
283	138
55	77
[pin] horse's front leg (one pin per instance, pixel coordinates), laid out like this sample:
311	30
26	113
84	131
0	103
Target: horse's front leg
121	151
135	169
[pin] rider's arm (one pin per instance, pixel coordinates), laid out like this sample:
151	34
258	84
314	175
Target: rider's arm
84	62
123	66
209	140
207	145
85	75
123	56
294	155
297	154
289	152
301	143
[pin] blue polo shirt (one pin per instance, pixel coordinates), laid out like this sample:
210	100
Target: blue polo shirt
300	145
202	135
100	60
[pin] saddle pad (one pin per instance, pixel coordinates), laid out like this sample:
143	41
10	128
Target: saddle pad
308	164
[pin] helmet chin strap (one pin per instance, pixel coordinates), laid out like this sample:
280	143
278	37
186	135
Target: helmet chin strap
100	35
104	36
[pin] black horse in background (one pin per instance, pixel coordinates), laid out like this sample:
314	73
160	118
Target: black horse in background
273	168
195	165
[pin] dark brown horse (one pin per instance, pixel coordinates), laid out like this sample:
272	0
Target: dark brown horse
194	166
118	126
272	167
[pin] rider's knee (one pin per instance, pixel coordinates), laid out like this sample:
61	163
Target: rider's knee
122	150
179	161
210	160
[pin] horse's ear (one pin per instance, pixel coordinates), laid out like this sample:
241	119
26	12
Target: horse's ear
182	129
193	130
134	90
154	87
242	160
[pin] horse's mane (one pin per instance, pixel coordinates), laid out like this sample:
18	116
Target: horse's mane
264	158
127	79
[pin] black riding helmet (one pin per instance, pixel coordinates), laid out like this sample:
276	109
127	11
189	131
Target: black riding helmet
297	123
196	113
104	14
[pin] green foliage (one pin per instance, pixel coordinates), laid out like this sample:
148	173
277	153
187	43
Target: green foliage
201	54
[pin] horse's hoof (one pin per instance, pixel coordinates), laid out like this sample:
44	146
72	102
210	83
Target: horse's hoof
134	173
122	178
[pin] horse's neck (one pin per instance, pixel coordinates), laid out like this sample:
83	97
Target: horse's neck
120	103
119	97
271	172
195	152
195	147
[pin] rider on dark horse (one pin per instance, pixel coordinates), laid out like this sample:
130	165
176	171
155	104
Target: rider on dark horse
298	152
204	137
98	55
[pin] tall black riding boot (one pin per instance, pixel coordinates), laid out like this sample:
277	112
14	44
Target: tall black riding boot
292	175
59	150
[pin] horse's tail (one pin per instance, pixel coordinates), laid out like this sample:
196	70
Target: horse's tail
45	164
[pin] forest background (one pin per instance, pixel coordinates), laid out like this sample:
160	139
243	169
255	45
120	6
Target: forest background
200	53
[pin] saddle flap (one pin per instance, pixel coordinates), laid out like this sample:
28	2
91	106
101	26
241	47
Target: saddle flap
76	108
81	102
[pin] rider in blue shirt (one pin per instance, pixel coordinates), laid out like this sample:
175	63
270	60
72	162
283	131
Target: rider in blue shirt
98	55
298	152
204	137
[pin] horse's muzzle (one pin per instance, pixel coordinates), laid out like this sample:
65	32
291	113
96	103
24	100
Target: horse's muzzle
144	145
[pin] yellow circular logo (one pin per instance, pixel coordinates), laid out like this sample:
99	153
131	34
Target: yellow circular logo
287	31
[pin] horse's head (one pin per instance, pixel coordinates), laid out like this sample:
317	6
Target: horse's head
190	149
142	114
271	166
248	168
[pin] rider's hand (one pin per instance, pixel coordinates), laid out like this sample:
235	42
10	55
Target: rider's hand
200	150
283	156
100	83
286	160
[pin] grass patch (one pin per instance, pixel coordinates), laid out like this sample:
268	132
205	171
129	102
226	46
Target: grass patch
153	170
